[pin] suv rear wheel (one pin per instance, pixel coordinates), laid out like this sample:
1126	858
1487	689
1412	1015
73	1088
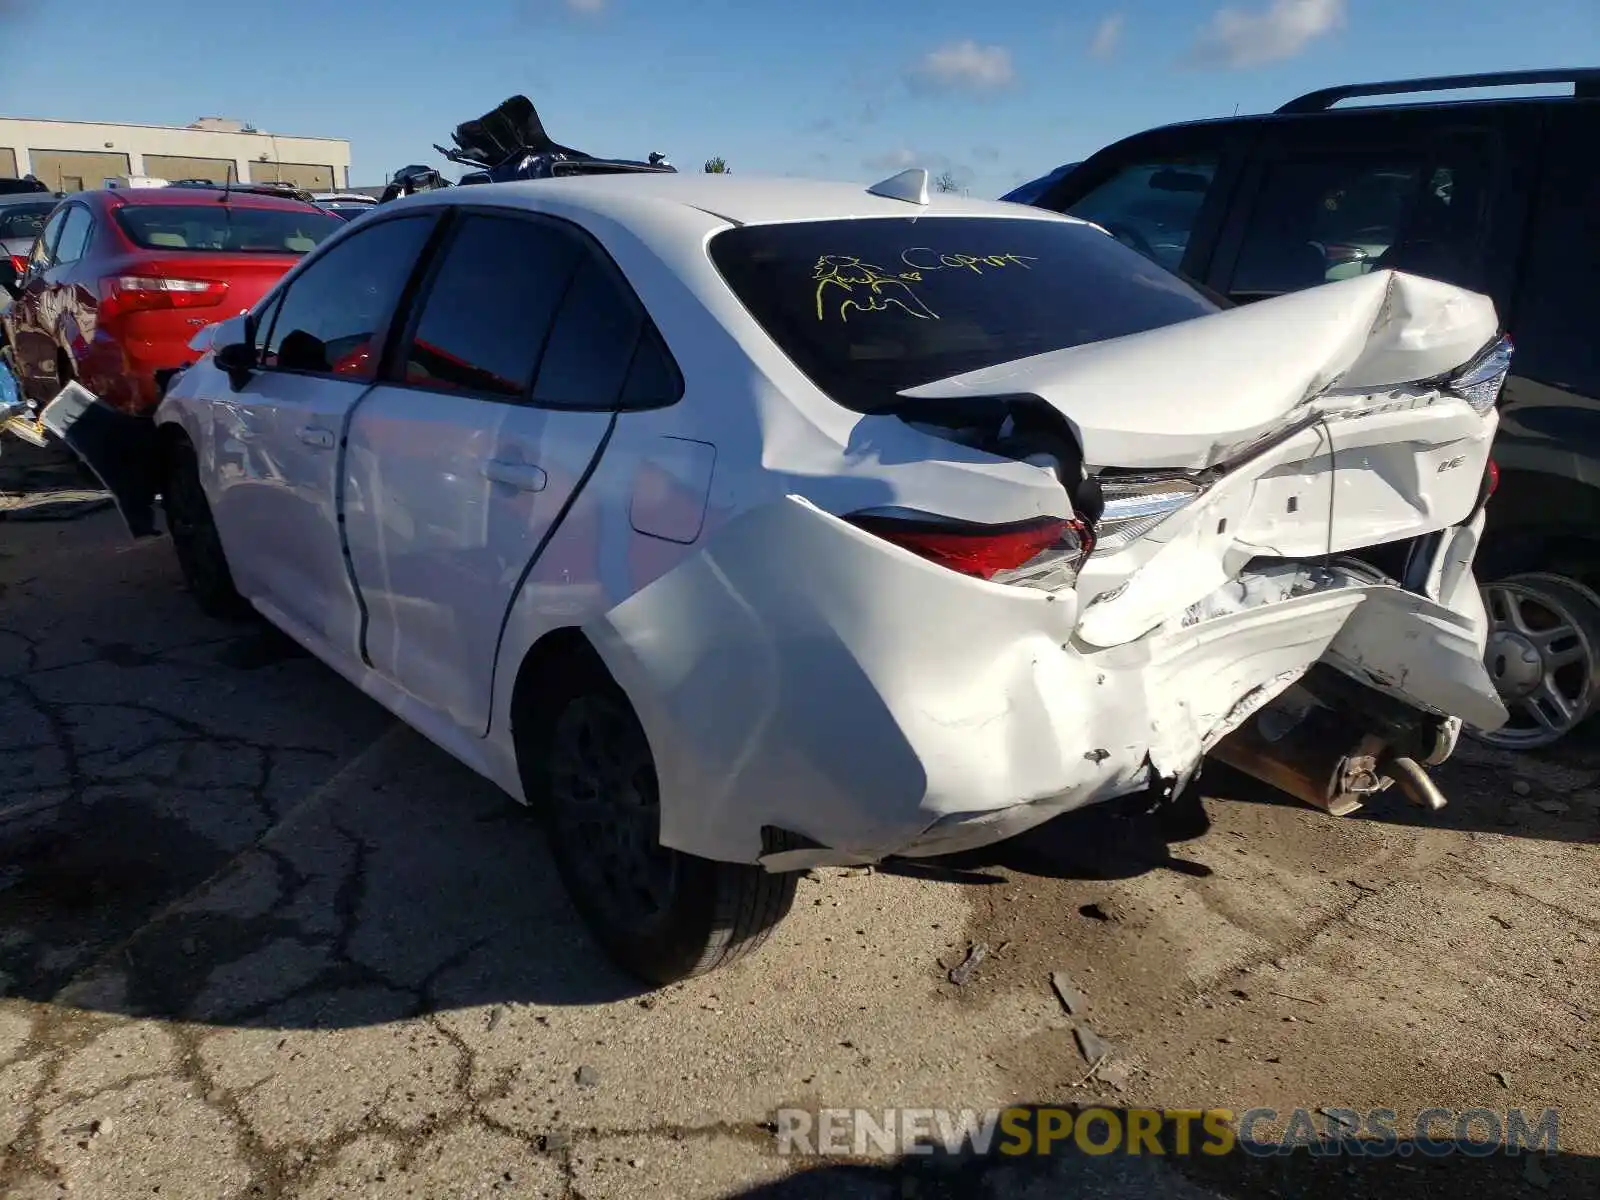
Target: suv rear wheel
1543	654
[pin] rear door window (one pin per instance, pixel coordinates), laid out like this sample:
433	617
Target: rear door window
487	314
1319	216
40	255
870	307
1557	317
74	235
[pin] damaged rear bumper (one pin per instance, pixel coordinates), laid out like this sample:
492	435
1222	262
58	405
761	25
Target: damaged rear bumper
795	674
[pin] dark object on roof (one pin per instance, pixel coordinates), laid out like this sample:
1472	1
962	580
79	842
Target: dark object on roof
26	186
509	142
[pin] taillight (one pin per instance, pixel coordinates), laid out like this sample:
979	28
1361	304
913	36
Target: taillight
140	293
1494	477
1136	503
19	263
1480	381
1044	553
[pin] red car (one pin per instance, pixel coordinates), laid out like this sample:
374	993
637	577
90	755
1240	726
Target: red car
120	280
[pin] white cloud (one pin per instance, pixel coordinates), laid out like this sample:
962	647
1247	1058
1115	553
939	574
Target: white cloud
1107	36
963	66
1238	38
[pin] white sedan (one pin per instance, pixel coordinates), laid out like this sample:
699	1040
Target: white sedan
743	526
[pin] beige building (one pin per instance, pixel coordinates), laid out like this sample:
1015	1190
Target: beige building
71	156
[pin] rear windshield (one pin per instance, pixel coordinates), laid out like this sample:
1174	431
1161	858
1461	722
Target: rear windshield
228	228
872	306
23	220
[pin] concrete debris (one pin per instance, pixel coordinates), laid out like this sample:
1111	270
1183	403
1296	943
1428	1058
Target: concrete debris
959	975
1074	1001
1094	1048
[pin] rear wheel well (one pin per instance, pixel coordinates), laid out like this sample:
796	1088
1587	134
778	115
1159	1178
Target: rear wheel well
554	667
1541	522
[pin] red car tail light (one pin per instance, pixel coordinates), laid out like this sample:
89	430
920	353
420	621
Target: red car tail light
1044	553
19	262
139	293
1494	476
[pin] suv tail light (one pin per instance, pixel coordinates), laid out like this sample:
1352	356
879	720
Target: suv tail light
1045	554
139	293
19	262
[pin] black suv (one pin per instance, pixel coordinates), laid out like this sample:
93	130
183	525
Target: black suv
1498	195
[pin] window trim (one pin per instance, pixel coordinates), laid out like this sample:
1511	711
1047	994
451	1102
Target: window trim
384	333
391	371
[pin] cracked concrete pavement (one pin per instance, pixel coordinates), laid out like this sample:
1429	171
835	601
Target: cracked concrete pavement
257	939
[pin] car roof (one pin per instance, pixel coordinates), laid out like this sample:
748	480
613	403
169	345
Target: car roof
122	197
11	198
746	200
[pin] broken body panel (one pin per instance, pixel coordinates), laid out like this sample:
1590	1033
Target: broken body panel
877	704
794	671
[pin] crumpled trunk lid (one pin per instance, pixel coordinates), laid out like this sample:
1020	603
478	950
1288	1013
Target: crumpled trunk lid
1192	395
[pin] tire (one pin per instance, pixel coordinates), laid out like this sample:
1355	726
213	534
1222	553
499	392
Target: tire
194	536
1543	654
662	915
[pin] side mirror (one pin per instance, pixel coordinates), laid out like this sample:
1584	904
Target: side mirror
233	347
236	358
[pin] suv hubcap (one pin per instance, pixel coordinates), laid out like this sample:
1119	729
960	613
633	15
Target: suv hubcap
1543	653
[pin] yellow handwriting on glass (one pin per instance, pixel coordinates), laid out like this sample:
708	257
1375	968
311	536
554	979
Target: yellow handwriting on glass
922	261
868	287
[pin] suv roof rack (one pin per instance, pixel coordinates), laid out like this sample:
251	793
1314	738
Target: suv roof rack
1585	82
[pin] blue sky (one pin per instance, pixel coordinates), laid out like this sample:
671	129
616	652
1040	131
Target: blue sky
994	92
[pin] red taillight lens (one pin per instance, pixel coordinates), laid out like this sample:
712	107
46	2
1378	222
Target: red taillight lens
994	552
140	293
19	263
1494	476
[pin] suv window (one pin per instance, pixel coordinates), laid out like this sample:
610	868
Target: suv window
74	235
869	308
1320	219
1558	308
1152	206
488	311
333	310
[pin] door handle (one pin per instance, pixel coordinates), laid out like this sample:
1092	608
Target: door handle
523	476
312	435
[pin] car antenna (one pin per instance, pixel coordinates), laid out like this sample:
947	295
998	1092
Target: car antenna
227	182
